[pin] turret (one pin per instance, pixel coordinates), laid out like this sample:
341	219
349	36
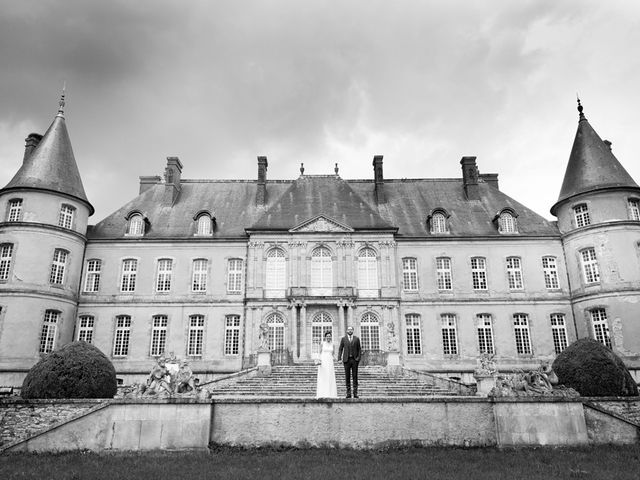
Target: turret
42	237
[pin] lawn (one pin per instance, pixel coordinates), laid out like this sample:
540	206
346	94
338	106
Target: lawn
608	462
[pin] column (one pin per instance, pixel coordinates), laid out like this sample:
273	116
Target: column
303	328
341	320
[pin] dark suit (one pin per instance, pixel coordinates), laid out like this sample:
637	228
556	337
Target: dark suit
349	354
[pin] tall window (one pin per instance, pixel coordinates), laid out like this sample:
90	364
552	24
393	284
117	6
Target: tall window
550	270
438	223
232	335
85	329
204	225
58	266
367	270
410	274
195	337
479	273
321	268
414	342
634	208
122	336
158	335
321	324
6	255
590	265
514	273
485	333
449	335
370	332
234	281
48	334
276	331
199	279
65	219
443	271
276	270
129	274
507	223
600	326
15	210
521	330
581	215
92	276
559	332
164	274
136	225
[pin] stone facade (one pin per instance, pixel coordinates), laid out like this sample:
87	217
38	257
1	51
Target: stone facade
437	271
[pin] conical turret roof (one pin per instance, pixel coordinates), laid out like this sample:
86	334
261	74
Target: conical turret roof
52	165
592	165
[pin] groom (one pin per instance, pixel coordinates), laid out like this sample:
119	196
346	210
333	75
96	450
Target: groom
349	354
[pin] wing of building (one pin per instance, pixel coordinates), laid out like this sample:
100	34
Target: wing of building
435	271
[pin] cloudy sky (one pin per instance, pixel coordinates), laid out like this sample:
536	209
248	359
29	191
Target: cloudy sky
218	83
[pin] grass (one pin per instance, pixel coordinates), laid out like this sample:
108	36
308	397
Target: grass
603	462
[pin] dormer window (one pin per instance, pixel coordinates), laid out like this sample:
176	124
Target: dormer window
136	225
581	215
633	205
507	222
437	221
204	224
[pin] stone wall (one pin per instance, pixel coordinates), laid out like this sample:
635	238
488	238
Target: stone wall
20	419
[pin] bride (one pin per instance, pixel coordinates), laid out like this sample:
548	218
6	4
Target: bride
326	374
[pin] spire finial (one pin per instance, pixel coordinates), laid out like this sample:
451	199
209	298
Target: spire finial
580	106
61	102
301	168
336	169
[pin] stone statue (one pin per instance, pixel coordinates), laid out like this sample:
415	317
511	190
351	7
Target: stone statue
159	380
185	382
392	339
264	336
540	382
486	365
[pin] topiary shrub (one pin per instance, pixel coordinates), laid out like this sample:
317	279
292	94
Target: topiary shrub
593	370
77	370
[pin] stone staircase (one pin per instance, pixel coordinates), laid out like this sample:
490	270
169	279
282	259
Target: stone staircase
300	381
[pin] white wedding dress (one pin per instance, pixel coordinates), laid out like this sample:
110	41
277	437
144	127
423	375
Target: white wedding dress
326	373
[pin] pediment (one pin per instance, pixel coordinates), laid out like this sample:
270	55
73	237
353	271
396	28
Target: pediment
321	223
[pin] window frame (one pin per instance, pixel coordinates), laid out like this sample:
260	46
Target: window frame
58	271
159	335
136	225
633	208
130	276
85	326
121	336
14	210
49	331
195	335
507	222
321	268
277	339
479	280
66	216
204	225
235	275
515	280
590	268
600	326
368	270
559	332
438	223
581	215
370	331
413	333
410	274
232	335
449	334
92	275
164	275
484	332
6	260
550	272
199	275
522	334
275	269
444	274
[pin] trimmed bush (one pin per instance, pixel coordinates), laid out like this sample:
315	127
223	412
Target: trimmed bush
593	370
77	370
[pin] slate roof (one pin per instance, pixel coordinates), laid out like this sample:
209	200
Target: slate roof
52	165
349	202
592	165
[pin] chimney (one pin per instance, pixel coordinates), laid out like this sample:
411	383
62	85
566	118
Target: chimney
147	182
378	179
261	194
172	174
470	178
30	144
490	179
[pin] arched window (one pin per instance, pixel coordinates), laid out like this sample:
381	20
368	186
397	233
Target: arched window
276	270
370	332
276	331
367	273
507	222
321	324
438	223
321	268
136	225
204	225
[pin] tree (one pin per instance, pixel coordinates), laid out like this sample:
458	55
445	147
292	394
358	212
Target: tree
593	370
77	370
